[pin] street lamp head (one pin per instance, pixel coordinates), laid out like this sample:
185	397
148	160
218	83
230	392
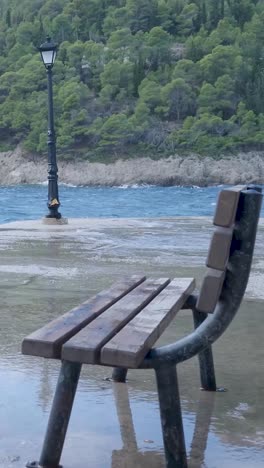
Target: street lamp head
48	52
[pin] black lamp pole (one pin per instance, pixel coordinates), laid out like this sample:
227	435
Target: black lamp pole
48	53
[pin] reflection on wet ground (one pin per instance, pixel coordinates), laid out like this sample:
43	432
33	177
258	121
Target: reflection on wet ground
45	271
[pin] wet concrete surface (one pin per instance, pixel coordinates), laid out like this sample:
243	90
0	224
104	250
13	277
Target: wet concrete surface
47	270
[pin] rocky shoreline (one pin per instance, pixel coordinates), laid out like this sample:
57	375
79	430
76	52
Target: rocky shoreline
18	168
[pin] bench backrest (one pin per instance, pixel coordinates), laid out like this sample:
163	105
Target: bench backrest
226	214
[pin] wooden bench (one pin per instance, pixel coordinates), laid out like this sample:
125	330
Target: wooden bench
119	326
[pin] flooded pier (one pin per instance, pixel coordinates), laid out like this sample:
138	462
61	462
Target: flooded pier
47	270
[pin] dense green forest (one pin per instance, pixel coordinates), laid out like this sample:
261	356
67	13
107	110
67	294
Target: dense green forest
134	76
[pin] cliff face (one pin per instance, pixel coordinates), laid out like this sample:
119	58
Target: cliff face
16	168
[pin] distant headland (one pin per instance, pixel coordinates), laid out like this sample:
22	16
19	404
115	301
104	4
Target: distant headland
17	167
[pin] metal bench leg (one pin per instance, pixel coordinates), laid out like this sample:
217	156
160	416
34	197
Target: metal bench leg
119	374
171	417
60	415
206	360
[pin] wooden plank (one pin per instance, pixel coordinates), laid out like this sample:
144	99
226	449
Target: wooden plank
227	204
210	290
85	346
219	249
48	340
129	347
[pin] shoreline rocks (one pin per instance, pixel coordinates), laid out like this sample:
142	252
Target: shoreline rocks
18	168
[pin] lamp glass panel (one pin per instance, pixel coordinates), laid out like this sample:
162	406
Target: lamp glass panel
47	56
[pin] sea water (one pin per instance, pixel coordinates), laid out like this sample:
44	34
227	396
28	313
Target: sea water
30	202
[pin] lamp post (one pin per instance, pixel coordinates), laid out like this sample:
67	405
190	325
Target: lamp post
48	54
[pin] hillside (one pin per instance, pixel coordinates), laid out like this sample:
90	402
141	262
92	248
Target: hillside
152	77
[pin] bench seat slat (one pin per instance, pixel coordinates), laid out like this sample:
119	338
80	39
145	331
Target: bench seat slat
86	345
48	340
227	204
129	347
219	249
210	290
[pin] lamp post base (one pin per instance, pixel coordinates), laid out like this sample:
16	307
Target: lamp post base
36	464
54	221
54	215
